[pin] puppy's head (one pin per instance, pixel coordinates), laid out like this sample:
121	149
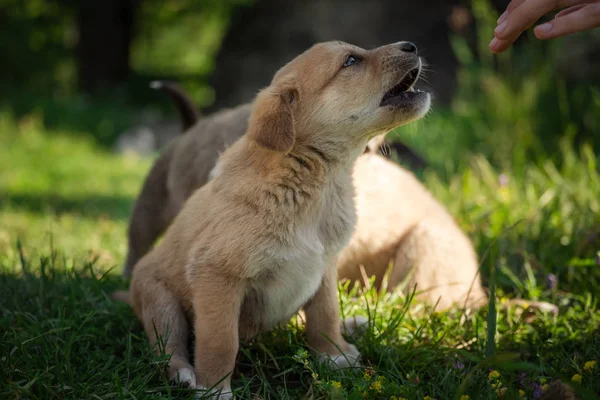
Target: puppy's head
338	96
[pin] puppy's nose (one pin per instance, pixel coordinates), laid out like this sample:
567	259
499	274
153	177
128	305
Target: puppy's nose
407	47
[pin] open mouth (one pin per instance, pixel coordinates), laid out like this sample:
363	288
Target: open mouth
402	91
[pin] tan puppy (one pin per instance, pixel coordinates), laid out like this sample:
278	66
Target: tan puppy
184	166
399	223
260	241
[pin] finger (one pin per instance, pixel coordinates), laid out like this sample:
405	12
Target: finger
498	46
587	17
510	8
569	10
513	5
527	14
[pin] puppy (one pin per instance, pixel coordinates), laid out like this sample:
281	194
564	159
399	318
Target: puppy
260	241
399	224
185	165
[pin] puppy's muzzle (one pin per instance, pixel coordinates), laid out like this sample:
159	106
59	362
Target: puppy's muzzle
405	67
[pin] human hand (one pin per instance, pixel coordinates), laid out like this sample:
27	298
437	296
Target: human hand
576	16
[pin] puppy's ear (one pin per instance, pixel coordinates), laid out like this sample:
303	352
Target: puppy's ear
271	124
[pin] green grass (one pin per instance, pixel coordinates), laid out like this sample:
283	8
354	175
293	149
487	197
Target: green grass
64	205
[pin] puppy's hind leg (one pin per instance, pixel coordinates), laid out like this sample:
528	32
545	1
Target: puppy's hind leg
164	320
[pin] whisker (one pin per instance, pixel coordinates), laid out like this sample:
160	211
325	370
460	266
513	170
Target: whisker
428	70
385	148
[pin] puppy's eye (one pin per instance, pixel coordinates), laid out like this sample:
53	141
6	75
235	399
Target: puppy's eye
351	60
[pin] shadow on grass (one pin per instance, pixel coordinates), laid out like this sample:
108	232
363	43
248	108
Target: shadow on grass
92	206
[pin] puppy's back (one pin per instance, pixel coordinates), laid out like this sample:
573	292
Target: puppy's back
389	202
400	221
196	153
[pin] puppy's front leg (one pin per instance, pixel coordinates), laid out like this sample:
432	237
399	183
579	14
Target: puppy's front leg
217	303
323	328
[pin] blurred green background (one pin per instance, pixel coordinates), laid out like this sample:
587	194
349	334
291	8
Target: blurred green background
51	70
511	109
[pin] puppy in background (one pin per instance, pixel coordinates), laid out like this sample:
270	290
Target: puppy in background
401	226
399	223
260	241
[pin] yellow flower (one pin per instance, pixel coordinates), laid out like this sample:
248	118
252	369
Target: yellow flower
544	387
496	385
315	376
336	384
377	386
465	397
426	398
542	380
522	393
576	378
493	375
589	366
367	376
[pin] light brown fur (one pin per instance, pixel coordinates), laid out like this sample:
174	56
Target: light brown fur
260	241
398	221
181	168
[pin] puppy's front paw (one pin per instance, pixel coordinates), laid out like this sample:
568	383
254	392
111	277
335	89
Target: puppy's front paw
184	377
349	358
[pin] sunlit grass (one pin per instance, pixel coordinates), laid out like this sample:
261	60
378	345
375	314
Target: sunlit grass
65	191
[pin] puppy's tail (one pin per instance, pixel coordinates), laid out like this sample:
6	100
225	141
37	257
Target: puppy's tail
188	112
123	296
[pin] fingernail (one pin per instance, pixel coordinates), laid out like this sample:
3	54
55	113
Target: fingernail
502	17
500	28
544	28
493	44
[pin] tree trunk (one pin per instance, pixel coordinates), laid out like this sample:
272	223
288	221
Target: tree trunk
105	35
